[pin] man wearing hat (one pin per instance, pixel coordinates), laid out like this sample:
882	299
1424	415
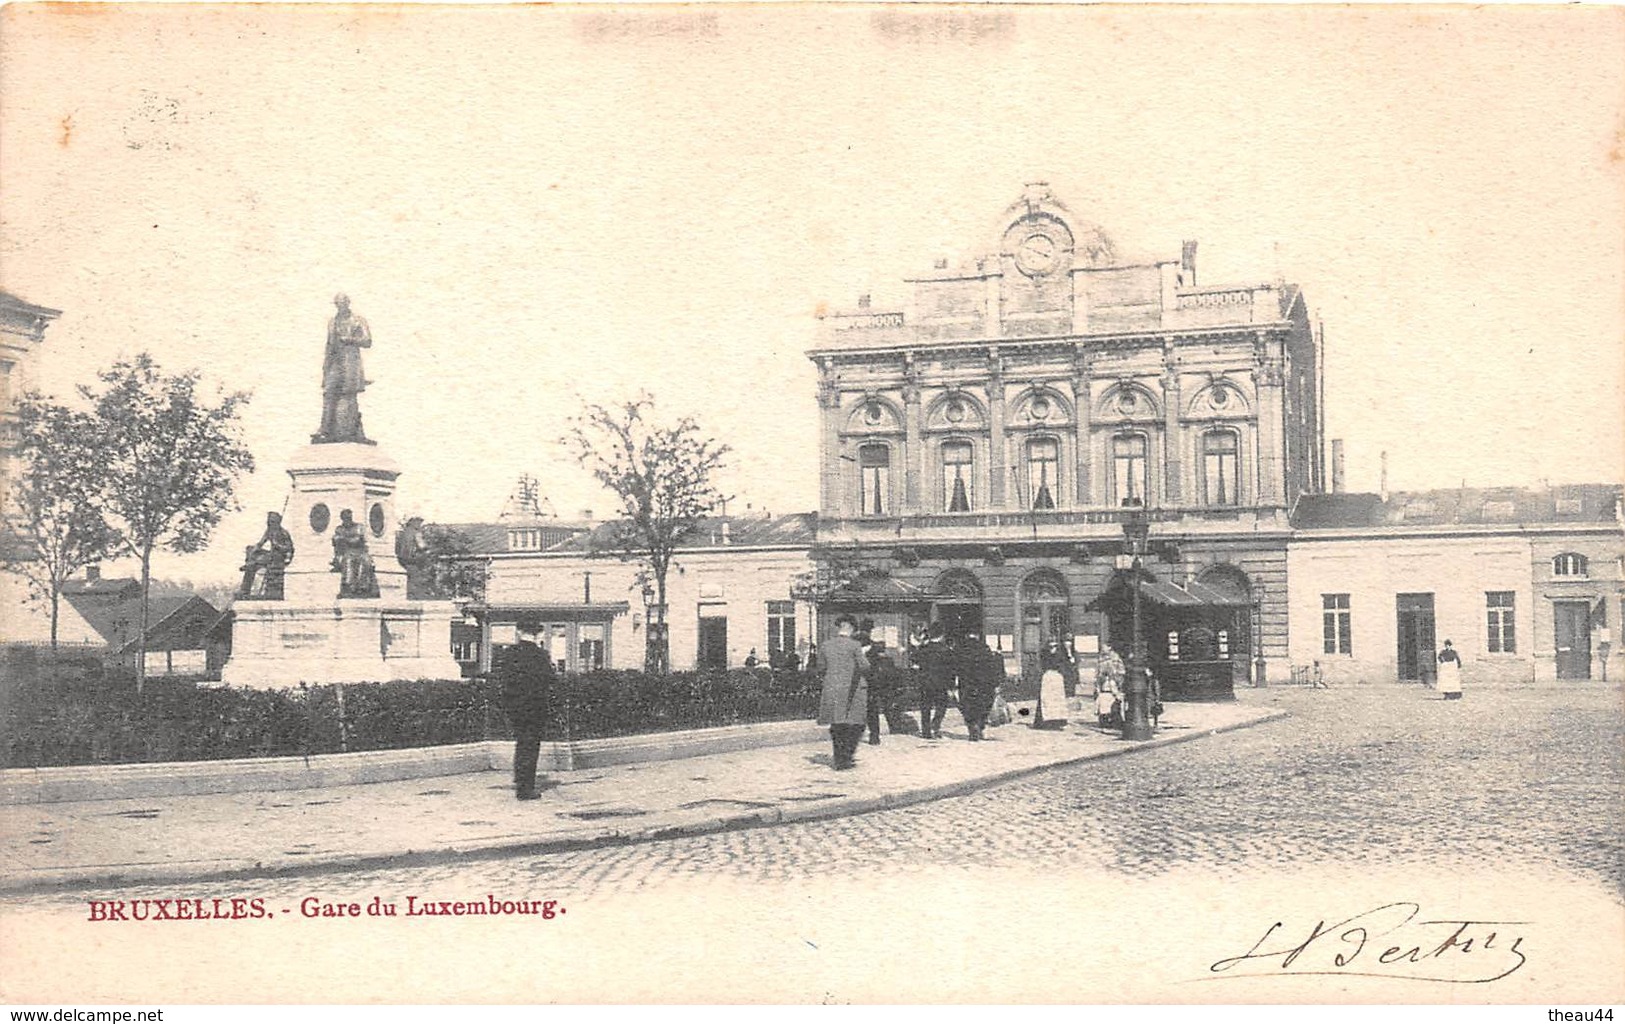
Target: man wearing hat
845	698
526	677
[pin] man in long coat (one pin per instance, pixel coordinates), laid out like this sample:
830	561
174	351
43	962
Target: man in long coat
844	702
981	670
526	677
936	664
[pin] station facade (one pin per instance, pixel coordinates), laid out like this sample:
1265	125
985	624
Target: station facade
981	447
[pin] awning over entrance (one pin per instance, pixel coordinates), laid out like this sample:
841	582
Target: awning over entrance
878	590
558	611
1162	592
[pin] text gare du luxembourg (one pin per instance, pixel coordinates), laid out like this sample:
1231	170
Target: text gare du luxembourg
248	909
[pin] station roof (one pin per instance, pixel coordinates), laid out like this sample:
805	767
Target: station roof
1460	506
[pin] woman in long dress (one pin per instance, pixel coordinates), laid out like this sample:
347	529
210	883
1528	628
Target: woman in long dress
1051	688
1108	688
1450	672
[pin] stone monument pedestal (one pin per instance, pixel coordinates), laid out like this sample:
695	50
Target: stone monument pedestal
313	635
280	643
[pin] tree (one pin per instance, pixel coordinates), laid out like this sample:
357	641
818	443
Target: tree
51	529
834	566
662	477
166	463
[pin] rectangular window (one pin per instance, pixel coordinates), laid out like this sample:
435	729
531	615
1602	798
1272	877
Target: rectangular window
1335	624
1043	468
1129	468
1220	470
781	626
590	647
874	479
957	483
1502	636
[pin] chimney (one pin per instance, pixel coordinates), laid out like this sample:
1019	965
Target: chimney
1383	489
586	513
863	301
1337	465
1187	264
942	264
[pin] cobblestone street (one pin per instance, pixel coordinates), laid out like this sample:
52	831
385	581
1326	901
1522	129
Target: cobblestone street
1531	777
1512	784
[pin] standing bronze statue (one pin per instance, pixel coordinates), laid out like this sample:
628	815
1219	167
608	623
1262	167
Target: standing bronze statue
342	379
357	577
267	558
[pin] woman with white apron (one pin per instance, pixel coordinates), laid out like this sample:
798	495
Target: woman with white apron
1051	688
1450	672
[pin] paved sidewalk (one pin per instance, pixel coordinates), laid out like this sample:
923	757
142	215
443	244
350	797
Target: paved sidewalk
188	838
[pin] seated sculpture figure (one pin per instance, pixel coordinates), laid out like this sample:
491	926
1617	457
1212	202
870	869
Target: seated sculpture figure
266	558
357	577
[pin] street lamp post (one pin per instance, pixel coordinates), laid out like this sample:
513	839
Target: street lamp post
1136	705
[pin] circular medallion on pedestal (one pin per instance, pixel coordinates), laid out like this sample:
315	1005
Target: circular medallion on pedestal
320	517
375	519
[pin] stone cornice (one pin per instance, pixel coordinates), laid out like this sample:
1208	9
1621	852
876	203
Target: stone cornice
1159	337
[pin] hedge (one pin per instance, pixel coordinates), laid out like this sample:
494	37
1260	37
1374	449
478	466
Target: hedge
66	718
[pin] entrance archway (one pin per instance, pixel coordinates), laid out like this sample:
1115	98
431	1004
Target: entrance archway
957	602
1045	616
1233	630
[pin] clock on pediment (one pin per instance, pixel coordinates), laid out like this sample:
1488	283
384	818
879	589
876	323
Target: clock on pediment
1040	245
1037	254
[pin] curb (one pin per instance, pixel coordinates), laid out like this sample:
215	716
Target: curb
58	879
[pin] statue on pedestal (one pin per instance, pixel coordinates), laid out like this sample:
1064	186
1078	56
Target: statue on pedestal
266	558
342	379
357	577
412	551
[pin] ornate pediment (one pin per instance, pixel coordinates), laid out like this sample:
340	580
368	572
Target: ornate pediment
1220	399
1041	406
873	414
956	410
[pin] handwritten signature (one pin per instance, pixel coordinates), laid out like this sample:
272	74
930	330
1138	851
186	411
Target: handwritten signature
1389	941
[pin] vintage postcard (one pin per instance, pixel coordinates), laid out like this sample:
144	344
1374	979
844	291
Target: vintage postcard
809	503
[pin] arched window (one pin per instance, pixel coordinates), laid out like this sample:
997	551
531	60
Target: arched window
1130	476
1221	469
874	479
1043	471
1569	564
958	481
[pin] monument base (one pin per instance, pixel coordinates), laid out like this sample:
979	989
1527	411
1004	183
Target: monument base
278	644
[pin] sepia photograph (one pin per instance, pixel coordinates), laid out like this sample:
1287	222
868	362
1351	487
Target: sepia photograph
716	503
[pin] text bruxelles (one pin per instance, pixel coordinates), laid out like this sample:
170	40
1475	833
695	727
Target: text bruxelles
216	909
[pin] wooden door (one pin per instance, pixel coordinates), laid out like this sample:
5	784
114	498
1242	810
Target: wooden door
1416	651
713	642
1573	632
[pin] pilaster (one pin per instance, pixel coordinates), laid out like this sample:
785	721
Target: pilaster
914	428
829	409
1082	405
995	426
1172	437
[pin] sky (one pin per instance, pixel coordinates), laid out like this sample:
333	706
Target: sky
533	206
